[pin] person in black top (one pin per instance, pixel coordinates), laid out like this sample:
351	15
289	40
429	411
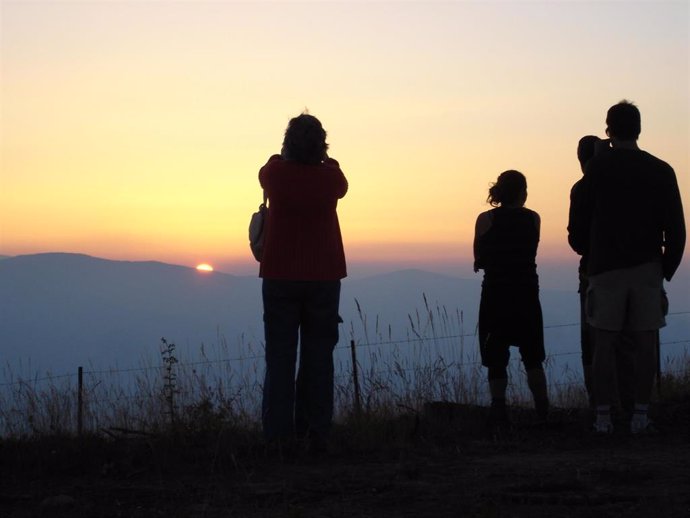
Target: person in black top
629	223
586	148
505	247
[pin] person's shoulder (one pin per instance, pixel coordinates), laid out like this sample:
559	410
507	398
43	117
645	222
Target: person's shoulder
330	165
273	162
534	216
656	161
483	222
331	162
532	213
577	187
487	214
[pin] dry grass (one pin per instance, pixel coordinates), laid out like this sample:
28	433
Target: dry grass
182	438
435	360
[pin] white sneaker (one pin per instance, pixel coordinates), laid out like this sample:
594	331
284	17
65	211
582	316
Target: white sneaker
641	425
603	427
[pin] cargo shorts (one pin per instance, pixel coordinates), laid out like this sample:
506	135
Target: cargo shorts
630	299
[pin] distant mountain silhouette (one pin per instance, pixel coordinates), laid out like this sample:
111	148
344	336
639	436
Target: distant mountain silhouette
59	311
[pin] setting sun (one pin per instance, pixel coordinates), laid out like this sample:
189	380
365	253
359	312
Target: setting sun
204	267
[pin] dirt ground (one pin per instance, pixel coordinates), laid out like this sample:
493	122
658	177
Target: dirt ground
437	464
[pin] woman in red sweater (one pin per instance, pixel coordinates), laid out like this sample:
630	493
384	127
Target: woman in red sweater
302	265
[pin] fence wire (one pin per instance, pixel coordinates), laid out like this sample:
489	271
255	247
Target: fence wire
358	344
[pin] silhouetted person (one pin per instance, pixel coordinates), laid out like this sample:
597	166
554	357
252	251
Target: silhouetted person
587	147
505	247
302	265
629	223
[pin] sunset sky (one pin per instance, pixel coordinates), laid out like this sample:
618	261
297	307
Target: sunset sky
135	129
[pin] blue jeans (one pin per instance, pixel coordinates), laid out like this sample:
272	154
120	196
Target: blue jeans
304	312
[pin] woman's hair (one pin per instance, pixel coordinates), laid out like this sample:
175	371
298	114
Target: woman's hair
507	189
305	140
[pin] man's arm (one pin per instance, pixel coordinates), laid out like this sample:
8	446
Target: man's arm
674	230
578	219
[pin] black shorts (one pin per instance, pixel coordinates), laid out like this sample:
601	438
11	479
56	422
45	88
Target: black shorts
510	315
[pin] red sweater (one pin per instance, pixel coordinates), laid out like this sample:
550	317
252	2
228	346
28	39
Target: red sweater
303	240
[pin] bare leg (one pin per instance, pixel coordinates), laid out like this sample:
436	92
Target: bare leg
644	345
498	383
603	367
645	364
536	380
626	373
498	387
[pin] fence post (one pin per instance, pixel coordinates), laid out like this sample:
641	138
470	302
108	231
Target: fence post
355	379
80	400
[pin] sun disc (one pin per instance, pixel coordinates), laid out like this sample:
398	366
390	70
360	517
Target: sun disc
204	267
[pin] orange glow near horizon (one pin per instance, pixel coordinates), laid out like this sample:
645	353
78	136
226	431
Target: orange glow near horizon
135	130
204	267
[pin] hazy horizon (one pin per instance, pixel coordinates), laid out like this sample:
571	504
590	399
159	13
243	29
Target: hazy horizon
67	309
554	273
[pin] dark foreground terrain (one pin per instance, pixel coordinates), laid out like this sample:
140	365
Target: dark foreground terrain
439	463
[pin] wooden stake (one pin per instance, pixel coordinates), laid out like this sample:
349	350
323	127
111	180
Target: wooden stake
355	379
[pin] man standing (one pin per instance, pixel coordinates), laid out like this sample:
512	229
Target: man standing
629	223
586	148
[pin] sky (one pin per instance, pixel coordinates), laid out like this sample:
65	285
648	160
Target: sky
135	130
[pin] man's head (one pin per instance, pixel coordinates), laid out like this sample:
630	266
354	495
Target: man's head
586	148
623	121
305	140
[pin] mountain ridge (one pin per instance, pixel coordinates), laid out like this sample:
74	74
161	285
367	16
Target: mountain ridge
60	309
